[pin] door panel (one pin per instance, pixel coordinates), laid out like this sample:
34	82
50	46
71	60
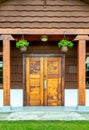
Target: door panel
34	85
43	81
53	81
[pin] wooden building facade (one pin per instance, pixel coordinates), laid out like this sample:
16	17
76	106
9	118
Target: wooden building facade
44	76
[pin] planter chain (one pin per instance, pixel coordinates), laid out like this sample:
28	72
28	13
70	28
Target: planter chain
22	36
65	35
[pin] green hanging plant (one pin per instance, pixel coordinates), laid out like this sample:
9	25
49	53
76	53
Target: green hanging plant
22	43
67	43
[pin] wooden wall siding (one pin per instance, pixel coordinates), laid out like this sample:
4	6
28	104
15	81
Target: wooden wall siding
38	47
1	46
87	47
31	14
16	68
71	68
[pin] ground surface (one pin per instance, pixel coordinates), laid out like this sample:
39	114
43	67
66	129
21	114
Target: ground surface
45	125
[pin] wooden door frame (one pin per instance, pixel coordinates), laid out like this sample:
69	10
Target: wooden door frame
43	55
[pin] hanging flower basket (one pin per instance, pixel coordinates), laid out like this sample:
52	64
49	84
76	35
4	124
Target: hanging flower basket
23	49
22	44
64	49
64	45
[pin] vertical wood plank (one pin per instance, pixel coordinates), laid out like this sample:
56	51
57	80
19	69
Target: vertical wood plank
45	78
6	72
27	80
81	72
41	79
63	78
60	81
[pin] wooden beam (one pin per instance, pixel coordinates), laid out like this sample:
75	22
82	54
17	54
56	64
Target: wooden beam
44	31
6	72
81	72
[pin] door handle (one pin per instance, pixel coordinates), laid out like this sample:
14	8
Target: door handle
45	84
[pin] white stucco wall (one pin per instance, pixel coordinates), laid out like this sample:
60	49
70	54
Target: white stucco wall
87	97
16	97
71	97
1	97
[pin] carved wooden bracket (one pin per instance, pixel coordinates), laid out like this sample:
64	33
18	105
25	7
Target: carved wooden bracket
6	37
81	37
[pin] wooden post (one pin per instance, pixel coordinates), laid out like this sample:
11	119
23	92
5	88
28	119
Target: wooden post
6	68
81	68
81	72
6	72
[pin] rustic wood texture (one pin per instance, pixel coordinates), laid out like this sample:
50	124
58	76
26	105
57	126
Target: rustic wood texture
6	72
31	14
81	72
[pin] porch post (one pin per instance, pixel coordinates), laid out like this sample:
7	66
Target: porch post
6	69
81	68
6	72
81	72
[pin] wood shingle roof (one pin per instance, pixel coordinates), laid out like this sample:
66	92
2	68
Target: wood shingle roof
31	14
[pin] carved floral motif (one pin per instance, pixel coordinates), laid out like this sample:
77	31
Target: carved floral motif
35	67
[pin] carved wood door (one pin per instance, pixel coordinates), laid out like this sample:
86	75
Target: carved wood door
43	81
53	81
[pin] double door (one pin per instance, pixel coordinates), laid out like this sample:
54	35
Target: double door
43	81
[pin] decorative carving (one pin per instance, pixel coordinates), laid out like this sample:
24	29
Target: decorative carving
35	67
52	67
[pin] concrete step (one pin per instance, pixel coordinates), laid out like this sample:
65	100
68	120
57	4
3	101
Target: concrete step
44	113
67	116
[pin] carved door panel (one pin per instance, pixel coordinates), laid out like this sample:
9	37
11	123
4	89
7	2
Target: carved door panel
34	81
53	91
43	81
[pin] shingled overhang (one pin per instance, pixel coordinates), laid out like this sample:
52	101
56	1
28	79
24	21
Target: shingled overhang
31	15
87	1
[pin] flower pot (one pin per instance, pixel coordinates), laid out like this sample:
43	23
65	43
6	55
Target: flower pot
23	49
64	49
